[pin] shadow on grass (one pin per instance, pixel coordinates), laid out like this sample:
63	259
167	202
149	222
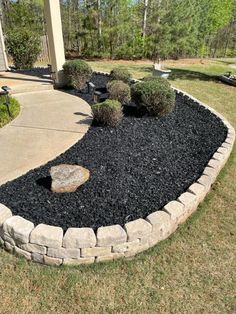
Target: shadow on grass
183	74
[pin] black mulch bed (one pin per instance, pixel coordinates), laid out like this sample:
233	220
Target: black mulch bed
135	169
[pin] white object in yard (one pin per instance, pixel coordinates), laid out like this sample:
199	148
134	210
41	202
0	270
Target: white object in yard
158	71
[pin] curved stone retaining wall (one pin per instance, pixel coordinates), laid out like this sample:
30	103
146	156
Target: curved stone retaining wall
48	245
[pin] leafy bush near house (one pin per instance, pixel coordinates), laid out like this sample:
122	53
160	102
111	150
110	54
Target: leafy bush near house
119	74
23	45
156	96
120	91
107	113
77	73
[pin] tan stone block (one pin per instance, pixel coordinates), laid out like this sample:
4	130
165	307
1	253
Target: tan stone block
8	247
189	201
111	235
46	235
79	261
137	229
34	248
231	131
5	213
151	239
63	253
211	172
223	151
199	190
161	223
227	145
110	257
230	140
218	156
95	251
52	261
6	237
216	164
127	246
206	181
141	248
23	253
79	238
38	258
18	228
176	210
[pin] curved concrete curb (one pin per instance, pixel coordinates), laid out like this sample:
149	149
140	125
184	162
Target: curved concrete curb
47	244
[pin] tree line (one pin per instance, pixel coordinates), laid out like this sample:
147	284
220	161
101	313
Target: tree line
134	29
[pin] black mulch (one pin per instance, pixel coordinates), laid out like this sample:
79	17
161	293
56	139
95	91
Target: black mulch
135	169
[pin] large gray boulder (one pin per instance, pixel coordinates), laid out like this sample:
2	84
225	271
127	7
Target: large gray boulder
67	178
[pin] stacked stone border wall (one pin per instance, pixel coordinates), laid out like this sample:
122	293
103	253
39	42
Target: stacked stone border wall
48	245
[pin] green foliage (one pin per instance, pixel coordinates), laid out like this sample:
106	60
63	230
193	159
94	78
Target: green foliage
24	47
114	28
120	74
158	79
120	91
77	73
157	97
108	113
14	108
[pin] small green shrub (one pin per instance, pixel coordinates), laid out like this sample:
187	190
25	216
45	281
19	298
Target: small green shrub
77	73
107	113
157	97
158	79
23	45
120	74
120	91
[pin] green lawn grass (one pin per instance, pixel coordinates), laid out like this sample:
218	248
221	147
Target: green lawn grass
14	109
191	272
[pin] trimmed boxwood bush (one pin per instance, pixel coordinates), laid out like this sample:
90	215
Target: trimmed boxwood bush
159	79
119	74
107	113
155	96
120	91
77	73
23	45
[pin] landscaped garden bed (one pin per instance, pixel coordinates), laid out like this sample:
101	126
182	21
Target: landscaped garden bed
136	169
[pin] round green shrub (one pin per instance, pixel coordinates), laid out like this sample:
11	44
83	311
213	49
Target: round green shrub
119	74
157	97
77	73
120	91
23	45
159	79
107	113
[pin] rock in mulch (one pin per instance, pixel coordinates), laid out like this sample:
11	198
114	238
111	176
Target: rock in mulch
67	178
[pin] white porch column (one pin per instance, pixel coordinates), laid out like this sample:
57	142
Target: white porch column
55	38
3	56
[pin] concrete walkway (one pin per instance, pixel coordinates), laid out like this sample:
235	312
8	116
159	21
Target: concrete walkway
50	122
22	83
